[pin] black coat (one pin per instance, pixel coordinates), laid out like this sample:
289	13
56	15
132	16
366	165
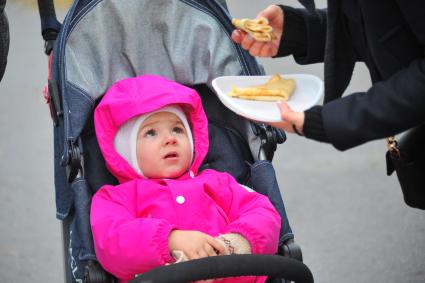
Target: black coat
389	36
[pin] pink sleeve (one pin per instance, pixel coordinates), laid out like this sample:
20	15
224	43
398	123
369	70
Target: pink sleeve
126	245
251	214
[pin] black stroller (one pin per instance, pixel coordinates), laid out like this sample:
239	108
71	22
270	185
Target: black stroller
188	41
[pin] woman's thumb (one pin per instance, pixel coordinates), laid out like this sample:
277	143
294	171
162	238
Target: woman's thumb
268	13
289	116
286	113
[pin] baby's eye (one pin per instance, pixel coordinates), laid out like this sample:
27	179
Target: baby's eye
150	133
178	130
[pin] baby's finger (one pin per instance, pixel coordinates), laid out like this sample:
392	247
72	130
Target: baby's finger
217	245
209	250
192	255
202	253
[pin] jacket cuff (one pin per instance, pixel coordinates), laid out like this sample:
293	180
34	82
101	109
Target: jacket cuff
313	124
163	235
294	33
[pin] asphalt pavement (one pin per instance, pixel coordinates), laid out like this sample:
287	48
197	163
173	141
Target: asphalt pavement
347	215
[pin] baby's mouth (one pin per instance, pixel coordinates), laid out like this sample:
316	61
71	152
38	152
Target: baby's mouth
171	155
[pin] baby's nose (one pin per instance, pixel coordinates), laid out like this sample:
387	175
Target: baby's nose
170	139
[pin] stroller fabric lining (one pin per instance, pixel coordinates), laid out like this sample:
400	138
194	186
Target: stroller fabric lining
121	39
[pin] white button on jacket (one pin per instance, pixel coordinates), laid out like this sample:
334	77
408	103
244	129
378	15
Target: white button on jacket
180	199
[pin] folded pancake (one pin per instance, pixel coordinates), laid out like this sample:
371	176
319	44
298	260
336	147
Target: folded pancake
259	28
274	89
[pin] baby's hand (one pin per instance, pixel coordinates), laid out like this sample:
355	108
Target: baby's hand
194	244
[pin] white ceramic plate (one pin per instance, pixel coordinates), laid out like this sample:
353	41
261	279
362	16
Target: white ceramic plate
308	91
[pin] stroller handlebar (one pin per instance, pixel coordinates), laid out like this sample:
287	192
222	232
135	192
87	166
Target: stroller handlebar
49	24
229	266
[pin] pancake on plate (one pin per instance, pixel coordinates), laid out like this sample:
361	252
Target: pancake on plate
276	88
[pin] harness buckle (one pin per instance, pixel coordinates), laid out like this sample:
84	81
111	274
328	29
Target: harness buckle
269	137
74	166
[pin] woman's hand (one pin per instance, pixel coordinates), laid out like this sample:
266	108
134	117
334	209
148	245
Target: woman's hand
291	121
194	244
263	49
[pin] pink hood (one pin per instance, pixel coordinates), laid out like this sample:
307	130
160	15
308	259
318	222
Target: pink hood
132	97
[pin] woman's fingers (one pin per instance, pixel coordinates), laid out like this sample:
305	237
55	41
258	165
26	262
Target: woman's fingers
284	125
295	118
247	42
270	13
284	108
289	119
256	47
266	51
237	36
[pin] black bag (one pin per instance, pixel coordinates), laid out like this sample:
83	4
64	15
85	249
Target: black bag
407	158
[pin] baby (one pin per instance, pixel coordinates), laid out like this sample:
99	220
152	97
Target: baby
153	134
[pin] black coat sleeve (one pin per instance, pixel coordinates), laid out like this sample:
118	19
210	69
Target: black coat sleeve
304	35
387	108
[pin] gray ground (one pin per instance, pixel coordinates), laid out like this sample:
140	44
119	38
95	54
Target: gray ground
347	215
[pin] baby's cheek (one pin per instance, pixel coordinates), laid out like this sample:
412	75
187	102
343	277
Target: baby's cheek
149	167
176	172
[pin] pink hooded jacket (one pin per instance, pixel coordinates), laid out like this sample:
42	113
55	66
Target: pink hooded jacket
131	222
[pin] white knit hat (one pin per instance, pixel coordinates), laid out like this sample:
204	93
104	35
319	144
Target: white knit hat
126	138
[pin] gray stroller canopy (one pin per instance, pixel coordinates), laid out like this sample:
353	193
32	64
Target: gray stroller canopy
118	39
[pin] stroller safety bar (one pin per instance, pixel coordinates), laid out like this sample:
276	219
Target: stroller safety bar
229	266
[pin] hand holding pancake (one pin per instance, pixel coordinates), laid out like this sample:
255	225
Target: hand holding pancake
274	15
258	28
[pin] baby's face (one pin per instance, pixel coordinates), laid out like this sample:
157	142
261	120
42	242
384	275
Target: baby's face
163	147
